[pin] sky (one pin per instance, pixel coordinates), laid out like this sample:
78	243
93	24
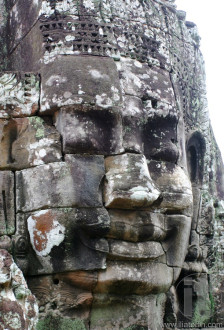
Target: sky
208	16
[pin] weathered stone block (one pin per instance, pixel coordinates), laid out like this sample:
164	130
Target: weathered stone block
7	203
22	17
128	183
63	85
174	185
23	58
135	226
132	135
18	307
6	243
26	142
132	117
150	129
92	131
62	240
127	312
152	84
121	250
75	182
160	138
20	93
69	292
177	241
128	277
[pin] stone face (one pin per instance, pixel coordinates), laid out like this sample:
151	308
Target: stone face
90	131
119	191
118	194
19	95
97	85
26	142
73	234
7	203
18	307
75	182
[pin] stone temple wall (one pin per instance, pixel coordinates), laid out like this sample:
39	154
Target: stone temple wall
111	182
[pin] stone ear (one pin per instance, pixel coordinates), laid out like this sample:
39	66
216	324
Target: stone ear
196	148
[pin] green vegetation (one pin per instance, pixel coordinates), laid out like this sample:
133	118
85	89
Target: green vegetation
59	323
37	123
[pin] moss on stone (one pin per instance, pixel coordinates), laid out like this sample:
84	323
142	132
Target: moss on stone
37	123
135	327
202	312
59	323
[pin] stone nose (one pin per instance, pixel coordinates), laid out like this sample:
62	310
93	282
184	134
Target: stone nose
128	184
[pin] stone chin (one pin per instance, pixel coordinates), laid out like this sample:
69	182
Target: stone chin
141	278
150	259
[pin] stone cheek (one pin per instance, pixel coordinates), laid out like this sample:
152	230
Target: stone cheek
73	236
174	185
176	242
70	293
45	232
75	182
128	184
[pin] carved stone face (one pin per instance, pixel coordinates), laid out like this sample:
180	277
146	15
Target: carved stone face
99	101
119	202
97	143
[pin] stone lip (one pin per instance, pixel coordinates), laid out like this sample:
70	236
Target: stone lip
135	251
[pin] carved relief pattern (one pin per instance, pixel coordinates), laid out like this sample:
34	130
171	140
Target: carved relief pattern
19	94
82	37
